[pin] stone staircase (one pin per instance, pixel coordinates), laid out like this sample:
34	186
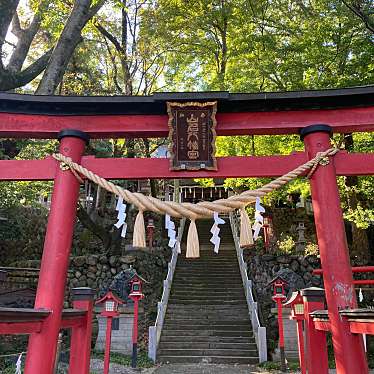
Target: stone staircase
207	317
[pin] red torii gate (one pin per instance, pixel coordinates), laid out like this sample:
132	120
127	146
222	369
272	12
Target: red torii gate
73	120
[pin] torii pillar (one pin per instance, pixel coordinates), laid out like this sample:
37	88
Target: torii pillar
42	347
337	273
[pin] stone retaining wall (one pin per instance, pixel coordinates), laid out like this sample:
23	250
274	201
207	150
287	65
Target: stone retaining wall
262	269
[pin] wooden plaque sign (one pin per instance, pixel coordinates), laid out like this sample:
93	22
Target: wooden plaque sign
192	135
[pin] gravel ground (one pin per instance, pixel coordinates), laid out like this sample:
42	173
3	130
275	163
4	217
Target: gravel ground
209	369
97	368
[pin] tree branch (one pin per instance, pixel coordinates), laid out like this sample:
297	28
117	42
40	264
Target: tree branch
10	80
110	37
95	228
25	38
66	45
356	9
7	10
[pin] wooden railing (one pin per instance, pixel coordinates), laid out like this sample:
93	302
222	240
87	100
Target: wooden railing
79	320
155	331
259	331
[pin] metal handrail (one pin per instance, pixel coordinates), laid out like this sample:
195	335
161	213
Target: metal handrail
155	330
259	331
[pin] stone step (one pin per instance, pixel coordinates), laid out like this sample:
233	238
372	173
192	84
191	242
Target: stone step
215	279
208	317
212	285
208	286
207	352
191	327
219	264
212	332
208	271
209	359
219	278
207	345
177	308
208	339
217	291
185	292
208	296
212	322
208	255
223	269
207	302
227	258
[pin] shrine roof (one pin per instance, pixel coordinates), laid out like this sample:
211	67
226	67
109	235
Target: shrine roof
156	103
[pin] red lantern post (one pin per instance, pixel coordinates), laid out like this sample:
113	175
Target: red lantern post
279	295
111	303
135	295
297	305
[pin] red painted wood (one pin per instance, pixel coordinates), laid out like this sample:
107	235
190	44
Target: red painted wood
349	350
117	126
230	167
144	168
300	344
53	271
135	321
363	281
362	327
355	269
316	344
280	322
72	322
108	338
80	347
322	325
354	163
9	328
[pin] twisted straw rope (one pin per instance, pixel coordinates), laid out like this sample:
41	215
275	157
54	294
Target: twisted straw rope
202	209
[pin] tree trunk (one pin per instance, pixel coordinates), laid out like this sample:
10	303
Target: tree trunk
7	10
66	45
25	38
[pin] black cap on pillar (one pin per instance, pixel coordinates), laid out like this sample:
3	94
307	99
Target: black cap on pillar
315	128
83	293
313	294
73	133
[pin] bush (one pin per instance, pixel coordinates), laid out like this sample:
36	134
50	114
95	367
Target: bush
286	245
311	249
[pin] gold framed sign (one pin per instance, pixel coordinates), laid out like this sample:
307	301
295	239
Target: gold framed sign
192	135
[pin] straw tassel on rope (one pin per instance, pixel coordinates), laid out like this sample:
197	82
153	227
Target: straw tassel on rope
193	246
246	238
139	231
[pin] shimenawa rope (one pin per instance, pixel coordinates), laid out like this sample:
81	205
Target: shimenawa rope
202	209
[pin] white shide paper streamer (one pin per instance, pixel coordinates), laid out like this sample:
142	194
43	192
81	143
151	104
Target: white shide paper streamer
215	239
121	216
19	364
172	234
259	220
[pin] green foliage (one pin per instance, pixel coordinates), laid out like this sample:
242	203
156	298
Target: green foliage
118	358
311	249
274	365
286	244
